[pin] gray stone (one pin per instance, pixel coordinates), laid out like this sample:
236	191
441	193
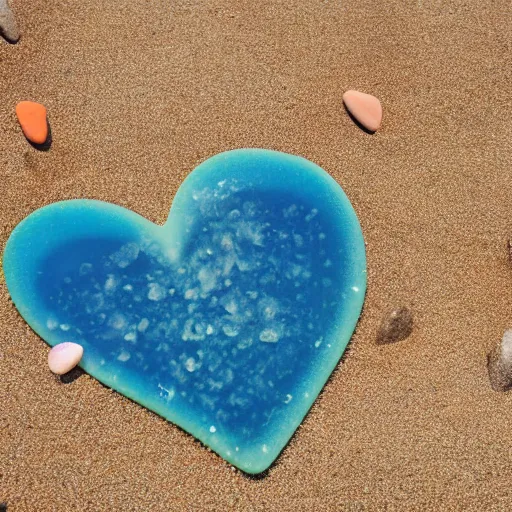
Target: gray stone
396	325
8	26
499	364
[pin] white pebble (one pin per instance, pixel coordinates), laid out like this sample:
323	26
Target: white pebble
156	292
123	356
64	357
269	336
143	325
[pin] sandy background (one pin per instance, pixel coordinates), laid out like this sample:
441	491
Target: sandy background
138	94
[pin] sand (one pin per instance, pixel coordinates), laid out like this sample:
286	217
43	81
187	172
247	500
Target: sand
138	94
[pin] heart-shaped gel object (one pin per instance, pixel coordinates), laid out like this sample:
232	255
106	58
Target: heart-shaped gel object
227	320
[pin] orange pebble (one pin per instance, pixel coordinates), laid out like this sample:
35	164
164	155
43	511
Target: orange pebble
32	118
365	108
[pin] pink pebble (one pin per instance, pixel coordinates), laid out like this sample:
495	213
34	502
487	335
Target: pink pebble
366	109
64	357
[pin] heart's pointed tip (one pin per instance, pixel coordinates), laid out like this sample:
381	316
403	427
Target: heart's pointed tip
254	467
365	108
33	120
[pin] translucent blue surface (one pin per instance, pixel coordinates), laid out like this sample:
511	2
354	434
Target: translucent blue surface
227	320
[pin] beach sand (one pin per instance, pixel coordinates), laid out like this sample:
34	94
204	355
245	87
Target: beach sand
138	94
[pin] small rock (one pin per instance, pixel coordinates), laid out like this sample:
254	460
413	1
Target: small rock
64	357
32	118
8	27
365	108
396	325
499	364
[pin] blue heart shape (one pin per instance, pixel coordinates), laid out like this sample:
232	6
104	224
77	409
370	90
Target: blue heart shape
227	320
